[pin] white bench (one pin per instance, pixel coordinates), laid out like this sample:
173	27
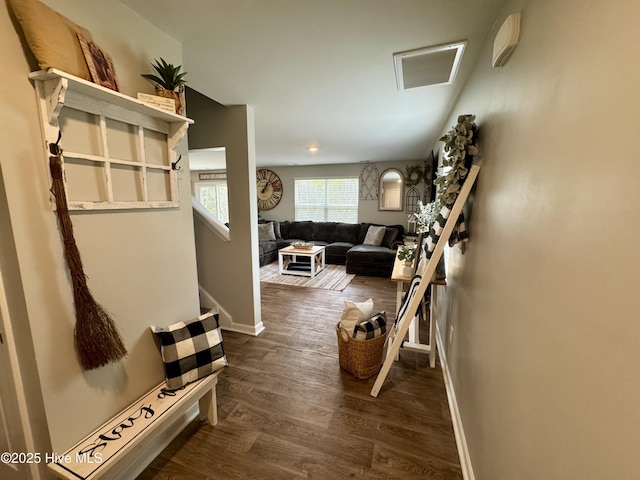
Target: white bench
110	449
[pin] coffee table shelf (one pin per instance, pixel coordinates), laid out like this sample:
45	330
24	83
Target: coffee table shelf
288	263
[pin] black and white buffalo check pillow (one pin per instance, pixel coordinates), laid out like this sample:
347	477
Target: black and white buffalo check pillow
191	350
372	328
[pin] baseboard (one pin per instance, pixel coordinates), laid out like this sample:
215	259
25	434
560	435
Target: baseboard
225	319
253	330
458	430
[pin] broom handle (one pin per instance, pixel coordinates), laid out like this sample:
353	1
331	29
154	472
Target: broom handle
71	252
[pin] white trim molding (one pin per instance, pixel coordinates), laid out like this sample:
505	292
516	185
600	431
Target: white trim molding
215	225
225	319
458	430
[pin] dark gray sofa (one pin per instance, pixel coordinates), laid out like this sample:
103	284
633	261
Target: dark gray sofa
343	242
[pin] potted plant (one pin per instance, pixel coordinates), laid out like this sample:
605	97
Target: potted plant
426	216
407	253
169	81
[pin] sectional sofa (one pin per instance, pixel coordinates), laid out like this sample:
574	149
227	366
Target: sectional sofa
344	242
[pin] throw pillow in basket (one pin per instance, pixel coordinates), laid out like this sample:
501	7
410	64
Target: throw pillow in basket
355	313
372	328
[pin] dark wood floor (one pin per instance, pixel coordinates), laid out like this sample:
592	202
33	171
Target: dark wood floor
287	411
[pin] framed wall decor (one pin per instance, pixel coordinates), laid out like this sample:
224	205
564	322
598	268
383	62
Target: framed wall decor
99	63
369	182
411	200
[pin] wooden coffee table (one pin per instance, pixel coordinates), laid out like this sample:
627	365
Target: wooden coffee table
288	261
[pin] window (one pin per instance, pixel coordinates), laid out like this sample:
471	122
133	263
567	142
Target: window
327	199
213	195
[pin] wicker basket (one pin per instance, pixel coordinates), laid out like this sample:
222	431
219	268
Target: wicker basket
361	358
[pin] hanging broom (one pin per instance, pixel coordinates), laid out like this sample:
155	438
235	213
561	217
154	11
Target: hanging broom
97	341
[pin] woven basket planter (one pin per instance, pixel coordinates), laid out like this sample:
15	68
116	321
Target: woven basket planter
177	96
361	358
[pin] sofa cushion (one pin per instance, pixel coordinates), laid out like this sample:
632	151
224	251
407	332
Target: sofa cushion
323	231
282	243
371	254
338	248
346	232
364	228
374	235
301	230
284	229
391	235
267	247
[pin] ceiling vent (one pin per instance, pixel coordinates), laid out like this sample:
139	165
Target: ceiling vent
506	40
428	66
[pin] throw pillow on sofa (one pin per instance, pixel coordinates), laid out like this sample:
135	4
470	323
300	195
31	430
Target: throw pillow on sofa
355	313
265	232
374	236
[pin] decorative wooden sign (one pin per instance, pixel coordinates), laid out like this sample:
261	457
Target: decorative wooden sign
91	456
212	176
163	103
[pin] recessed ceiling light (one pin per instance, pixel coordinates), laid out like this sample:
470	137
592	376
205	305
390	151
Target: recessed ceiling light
312	148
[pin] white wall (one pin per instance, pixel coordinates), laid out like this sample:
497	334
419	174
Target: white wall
544	301
367	209
229	271
140	264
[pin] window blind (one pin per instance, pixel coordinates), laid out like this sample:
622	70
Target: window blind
327	199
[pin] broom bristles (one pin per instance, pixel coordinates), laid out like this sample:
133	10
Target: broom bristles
96	339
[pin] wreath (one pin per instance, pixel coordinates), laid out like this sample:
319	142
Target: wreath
413	176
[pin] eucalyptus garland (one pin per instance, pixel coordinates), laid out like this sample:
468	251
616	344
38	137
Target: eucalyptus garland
459	148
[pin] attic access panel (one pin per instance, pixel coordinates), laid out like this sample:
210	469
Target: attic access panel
435	65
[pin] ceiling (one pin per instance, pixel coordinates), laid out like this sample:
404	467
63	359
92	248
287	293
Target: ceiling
321	72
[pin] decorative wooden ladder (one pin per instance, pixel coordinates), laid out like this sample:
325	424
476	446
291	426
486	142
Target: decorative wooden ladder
414	296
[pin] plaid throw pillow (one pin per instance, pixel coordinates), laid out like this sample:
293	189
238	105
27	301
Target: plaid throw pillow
191	350
372	328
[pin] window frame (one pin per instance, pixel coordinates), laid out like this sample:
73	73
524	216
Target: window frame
198	186
326	206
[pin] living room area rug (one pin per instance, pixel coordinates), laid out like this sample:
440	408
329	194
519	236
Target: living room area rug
333	277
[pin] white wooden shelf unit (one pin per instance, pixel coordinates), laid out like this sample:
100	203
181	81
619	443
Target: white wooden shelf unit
57	90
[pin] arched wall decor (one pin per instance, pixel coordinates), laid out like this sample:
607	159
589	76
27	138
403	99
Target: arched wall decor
369	182
411	200
391	191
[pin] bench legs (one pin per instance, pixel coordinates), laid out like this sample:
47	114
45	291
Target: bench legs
208	406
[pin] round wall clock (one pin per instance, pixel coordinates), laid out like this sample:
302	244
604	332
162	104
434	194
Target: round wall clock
269	189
